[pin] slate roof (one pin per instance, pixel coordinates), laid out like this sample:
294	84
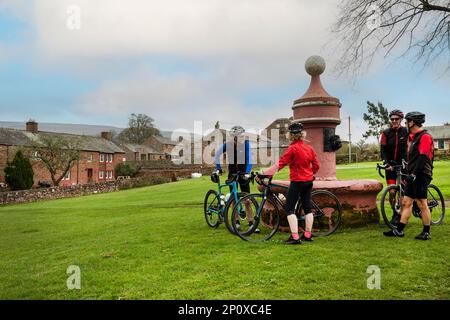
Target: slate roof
140	148
13	137
439	132
165	140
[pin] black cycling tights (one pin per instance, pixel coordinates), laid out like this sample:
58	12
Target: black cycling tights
299	189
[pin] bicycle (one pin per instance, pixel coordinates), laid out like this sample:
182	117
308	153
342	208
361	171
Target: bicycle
266	207
391	201
216	205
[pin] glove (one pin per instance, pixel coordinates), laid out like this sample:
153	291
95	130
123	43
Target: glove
411	178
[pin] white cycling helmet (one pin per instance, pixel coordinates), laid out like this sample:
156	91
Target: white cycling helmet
236	131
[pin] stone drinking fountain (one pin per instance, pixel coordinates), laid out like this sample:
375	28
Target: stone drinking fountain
319	112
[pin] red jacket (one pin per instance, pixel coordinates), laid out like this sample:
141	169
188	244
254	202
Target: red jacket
302	161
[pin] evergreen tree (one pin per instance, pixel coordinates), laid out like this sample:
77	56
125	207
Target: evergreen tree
19	172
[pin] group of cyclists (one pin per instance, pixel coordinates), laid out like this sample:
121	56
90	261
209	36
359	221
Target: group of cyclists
398	143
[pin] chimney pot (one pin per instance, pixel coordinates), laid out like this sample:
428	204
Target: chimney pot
107	135
32	126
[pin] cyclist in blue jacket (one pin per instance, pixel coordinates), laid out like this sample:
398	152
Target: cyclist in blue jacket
239	157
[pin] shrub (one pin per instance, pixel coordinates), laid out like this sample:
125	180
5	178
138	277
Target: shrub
158	180
126	169
19	172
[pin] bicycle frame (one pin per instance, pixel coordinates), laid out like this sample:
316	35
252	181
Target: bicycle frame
268	192
234	191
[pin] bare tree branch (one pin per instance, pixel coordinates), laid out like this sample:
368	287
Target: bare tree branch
366	28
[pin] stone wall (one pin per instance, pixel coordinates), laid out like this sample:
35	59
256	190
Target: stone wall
147	178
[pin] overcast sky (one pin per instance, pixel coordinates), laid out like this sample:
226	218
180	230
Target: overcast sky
237	62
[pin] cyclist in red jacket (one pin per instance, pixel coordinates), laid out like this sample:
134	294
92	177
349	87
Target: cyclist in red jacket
303	164
420	170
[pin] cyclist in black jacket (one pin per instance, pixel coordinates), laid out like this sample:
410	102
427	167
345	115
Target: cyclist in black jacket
420	170
393	145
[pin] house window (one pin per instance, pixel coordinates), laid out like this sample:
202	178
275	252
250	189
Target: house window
143	157
100	174
90	157
111	174
440	144
110	158
102	157
67	176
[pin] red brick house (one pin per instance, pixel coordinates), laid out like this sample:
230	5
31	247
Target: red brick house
161	144
99	155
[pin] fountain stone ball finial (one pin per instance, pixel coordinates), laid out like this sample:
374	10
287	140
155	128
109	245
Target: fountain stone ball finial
315	65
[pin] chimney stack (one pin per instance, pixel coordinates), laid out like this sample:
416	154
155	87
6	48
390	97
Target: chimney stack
32	126
107	135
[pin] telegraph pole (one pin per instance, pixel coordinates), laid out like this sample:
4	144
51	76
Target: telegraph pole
349	141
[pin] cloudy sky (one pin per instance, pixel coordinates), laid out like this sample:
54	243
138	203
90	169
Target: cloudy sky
178	61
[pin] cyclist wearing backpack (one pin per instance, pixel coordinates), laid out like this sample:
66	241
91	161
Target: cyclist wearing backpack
420	170
239	158
303	164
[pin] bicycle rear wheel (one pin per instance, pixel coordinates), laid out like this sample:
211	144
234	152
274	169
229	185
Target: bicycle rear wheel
212	209
259	219
436	204
327	212
391	206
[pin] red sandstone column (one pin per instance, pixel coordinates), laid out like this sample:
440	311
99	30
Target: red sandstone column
319	113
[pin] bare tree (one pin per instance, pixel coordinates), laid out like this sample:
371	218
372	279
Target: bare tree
417	27
58	153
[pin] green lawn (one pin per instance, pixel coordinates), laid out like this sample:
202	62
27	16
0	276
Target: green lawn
153	243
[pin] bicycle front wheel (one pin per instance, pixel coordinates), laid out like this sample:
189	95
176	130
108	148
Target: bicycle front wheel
229	207
391	206
258	218
436	204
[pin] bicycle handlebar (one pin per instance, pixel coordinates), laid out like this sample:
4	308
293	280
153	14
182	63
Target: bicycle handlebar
248	176
393	164
261	178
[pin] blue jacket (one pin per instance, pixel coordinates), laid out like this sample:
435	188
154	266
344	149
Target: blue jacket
236	151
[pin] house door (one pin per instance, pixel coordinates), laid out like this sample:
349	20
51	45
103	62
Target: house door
89	175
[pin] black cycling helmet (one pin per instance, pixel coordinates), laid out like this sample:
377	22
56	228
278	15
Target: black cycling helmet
397	112
417	117
296	127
